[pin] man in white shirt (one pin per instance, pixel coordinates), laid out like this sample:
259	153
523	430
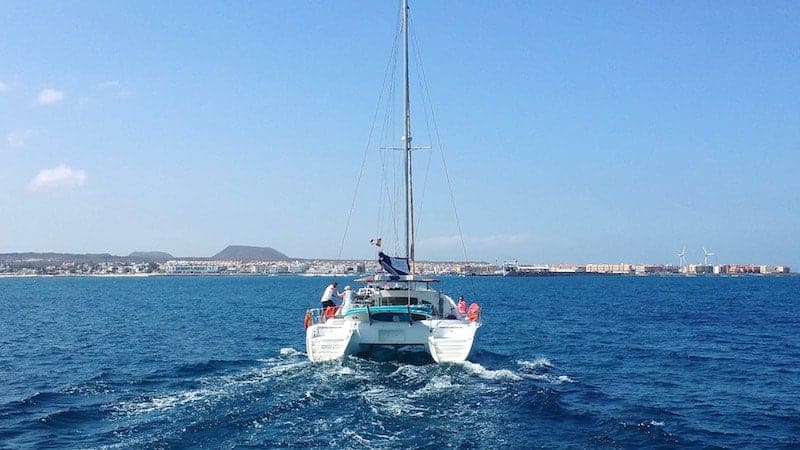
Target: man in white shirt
327	296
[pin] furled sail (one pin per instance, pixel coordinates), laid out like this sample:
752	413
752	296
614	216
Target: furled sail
393	264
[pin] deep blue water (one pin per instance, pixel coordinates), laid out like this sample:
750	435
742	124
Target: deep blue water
577	362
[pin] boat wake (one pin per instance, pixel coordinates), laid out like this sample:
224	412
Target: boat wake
539	369
286	400
214	388
499	374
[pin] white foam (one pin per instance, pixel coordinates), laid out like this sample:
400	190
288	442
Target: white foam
289	351
549	378
538	363
408	370
255	376
436	384
353	435
215	388
282	369
165	402
342	370
501	374
440	382
535	376
391	402
99	388
657	423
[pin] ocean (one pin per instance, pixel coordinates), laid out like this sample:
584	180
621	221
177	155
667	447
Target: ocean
560	362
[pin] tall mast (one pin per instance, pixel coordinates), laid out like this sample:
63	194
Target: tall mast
407	140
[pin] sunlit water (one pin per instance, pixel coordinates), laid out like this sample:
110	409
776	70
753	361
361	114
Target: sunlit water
560	362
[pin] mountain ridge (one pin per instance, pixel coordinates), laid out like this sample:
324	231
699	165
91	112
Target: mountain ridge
249	253
242	253
152	255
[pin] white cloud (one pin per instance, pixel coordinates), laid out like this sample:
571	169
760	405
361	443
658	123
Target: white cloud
49	96
56	178
17	139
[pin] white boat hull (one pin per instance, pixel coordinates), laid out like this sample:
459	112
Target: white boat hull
446	340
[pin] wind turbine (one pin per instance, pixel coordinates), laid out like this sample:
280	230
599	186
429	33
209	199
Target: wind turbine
707	254
682	257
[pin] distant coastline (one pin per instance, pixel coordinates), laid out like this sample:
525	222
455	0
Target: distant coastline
345	275
264	261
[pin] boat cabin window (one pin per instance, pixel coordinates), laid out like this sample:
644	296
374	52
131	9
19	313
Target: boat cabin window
397	317
400	301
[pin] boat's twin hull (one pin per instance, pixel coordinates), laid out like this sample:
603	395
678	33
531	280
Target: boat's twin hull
444	339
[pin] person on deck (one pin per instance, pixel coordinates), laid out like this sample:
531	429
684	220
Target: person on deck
327	296
347	301
462	305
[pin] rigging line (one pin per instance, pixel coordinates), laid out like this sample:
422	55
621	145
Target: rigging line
384	132
389	183
396	194
420	79
393	176
366	150
446	172
386	161
389	188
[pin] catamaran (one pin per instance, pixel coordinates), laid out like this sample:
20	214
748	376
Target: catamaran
397	308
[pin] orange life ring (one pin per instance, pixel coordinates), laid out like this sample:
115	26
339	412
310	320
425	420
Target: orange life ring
307	321
474	312
330	311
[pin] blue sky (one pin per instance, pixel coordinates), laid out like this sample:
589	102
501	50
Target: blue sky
573	132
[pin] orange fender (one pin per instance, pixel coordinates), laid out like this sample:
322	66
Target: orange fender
474	312
307	321
330	311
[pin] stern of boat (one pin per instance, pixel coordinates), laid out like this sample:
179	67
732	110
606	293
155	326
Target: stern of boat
452	341
330	340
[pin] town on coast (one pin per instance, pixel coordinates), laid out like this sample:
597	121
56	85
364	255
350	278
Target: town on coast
240	260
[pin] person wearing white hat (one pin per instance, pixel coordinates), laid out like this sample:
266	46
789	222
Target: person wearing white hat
347	303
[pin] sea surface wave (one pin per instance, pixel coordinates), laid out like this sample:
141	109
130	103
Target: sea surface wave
633	362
